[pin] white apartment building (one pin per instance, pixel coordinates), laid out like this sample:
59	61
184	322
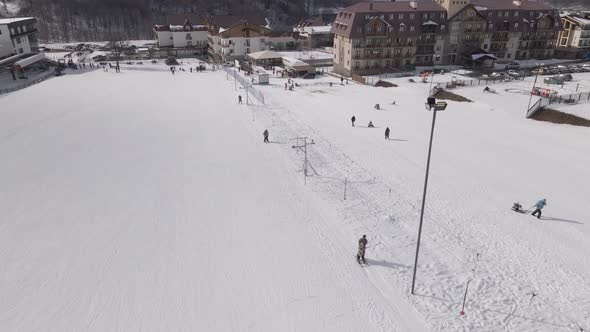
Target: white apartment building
18	36
574	40
181	40
231	38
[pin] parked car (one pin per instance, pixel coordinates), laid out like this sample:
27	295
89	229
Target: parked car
484	77
553	80
537	71
565	77
495	76
513	74
574	69
563	69
513	65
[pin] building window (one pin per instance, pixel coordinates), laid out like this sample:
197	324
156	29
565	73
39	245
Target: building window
369	29
20	50
401	16
391	17
442	27
516	13
471	13
18	41
490	26
360	30
506	13
411	16
442	15
379	28
412	28
516	25
402	28
189	37
425	15
367	17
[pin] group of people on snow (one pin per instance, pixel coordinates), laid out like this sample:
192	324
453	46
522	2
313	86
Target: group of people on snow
371	125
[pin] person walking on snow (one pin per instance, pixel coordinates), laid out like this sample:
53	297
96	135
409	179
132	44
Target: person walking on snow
360	256
387	133
239	99
370	125
539	206
353	119
265	134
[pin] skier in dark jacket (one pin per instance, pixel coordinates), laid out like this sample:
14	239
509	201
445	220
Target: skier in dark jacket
239	99
539	206
353	119
387	133
265	134
360	256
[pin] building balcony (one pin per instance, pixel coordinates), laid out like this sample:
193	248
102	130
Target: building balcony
24	33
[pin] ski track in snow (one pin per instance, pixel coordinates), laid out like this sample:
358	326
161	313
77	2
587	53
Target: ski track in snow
501	292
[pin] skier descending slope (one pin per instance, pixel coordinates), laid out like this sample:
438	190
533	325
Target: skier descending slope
360	256
539	206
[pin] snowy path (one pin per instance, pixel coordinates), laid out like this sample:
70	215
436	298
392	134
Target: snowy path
159	209
472	188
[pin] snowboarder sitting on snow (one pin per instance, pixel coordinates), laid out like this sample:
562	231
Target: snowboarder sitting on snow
517	207
539	206
486	89
353	119
265	134
370	125
377	107
360	256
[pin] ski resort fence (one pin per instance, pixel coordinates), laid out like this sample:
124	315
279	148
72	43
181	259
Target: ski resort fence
247	85
28	83
563	99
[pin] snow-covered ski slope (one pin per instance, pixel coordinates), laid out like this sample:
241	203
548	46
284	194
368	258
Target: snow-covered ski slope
147	202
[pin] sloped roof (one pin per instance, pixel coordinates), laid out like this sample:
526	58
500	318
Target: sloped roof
265	55
14	19
227	21
511	5
397	6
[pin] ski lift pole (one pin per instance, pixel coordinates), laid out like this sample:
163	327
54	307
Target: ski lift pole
464	298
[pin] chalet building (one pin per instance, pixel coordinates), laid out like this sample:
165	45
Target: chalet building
506	29
18	36
314	33
232	37
186	40
376	37
573	42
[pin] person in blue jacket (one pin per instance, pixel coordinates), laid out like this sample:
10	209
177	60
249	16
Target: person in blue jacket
539	206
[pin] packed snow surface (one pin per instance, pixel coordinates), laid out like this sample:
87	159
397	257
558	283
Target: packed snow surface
146	201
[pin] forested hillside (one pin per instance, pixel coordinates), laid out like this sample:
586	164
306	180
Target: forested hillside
84	20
